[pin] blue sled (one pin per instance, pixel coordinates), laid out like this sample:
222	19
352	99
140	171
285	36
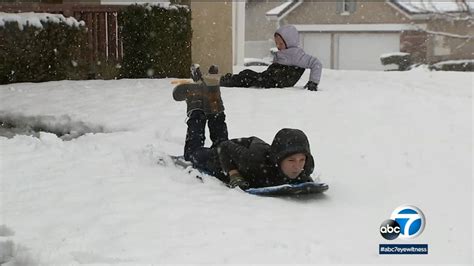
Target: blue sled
282	190
288	189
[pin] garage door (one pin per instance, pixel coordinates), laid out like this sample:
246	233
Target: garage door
362	50
318	45
351	50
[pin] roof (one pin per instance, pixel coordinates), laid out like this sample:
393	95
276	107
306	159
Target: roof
282	10
434	6
413	9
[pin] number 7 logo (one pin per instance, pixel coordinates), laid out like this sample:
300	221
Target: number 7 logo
411	220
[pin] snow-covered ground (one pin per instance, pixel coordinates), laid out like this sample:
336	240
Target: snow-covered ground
380	140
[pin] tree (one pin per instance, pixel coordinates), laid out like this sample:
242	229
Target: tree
433	10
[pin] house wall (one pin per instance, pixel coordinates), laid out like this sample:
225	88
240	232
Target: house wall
258	29
326	13
212	34
416	44
343	48
257	26
449	48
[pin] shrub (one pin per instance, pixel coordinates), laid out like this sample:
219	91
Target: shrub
103	69
454	65
156	41
402	60
48	48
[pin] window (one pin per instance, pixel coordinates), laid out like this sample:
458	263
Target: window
346	7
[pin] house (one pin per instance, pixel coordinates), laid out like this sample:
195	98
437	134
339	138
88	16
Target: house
349	34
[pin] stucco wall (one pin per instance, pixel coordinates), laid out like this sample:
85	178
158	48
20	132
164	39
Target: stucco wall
212	34
258	29
326	13
257	26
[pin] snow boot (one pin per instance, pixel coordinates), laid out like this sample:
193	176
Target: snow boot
204	95
213	103
226	80
196	74
214	69
192	93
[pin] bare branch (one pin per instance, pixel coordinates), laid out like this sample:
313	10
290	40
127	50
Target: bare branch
447	34
463	44
429	8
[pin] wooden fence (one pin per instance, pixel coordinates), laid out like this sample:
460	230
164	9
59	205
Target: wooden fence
103	34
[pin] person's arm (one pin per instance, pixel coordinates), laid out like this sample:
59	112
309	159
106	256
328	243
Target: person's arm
231	153
311	62
237	180
297	57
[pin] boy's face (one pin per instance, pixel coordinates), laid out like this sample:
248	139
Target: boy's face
293	165
280	44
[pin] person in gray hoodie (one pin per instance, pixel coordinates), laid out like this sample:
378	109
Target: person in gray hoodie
289	63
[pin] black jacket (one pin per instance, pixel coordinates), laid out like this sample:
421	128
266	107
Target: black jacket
276	76
258	162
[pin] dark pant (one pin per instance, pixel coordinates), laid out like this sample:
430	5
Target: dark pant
276	76
205	159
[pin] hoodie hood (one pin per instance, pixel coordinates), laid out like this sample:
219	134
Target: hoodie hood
290	35
289	141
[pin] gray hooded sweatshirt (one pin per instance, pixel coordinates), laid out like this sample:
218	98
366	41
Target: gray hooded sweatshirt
293	55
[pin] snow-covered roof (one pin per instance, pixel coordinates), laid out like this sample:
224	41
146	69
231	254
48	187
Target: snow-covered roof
35	19
434	6
279	9
282	10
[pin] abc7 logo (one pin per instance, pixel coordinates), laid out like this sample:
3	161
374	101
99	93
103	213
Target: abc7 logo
406	222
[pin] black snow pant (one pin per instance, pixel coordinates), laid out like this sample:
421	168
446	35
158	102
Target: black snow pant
202	158
276	76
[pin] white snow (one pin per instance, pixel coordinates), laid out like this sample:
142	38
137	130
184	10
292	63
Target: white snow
393	54
380	140
450	62
277	10
35	19
149	3
249	61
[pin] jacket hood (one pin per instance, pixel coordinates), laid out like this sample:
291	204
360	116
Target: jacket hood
290	35
289	141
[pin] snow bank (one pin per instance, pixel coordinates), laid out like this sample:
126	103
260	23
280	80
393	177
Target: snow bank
457	62
35	19
380	140
62	126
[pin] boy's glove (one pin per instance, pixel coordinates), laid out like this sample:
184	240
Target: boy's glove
311	86
238	181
